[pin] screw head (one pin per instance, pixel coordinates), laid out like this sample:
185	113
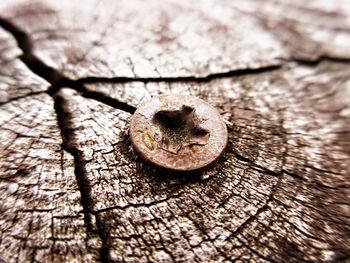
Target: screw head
178	133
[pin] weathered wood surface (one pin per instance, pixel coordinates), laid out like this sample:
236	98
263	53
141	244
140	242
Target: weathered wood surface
72	74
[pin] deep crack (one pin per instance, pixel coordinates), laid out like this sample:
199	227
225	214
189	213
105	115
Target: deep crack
320	59
233	73
109	101
55	78
68	141
28	58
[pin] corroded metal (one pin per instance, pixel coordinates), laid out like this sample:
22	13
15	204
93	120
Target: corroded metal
179	133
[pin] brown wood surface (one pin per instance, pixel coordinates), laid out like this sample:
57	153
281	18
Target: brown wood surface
73	72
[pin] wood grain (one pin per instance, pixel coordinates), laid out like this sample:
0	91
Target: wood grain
72	187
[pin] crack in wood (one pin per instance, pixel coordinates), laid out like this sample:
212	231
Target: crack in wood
109	101
320	59
21	97
66	133
58	81
28	58
238	72
55	78
137	204
260	210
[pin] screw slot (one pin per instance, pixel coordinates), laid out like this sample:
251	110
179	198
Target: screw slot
180	128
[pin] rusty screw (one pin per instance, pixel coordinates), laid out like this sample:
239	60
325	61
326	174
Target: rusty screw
178	133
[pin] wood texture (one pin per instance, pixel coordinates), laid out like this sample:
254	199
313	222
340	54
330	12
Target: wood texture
72	74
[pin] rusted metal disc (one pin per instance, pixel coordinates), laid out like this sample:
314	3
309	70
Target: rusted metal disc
178	133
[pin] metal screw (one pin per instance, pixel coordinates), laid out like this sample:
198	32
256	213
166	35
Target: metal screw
178	133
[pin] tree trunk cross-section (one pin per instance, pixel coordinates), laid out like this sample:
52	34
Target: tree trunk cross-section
73	189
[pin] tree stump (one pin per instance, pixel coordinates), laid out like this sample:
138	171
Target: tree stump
72	74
